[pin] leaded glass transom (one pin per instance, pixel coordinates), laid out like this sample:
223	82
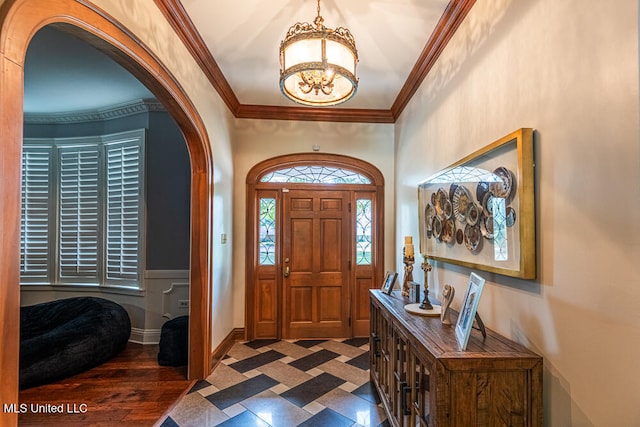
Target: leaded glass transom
315	175
267	242
363	231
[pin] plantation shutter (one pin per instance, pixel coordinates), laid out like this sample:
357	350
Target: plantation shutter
83	210
79	213
124	178
36	218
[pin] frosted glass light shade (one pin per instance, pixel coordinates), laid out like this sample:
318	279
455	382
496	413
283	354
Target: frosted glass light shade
318	65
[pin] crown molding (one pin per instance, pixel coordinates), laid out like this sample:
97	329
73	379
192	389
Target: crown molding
316	114
113	112
451	19
447	26
177	16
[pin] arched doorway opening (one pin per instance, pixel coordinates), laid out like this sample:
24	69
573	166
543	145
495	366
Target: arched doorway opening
20	20
314	246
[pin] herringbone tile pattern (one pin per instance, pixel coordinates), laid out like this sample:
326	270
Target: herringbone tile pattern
285	383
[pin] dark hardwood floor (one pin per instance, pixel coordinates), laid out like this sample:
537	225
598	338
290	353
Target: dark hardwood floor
129	390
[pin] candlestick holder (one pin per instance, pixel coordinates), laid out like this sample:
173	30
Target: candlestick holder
424	308
408	272
426	267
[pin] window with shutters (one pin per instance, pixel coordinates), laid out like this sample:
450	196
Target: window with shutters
37	198
124	204
82	210
78	213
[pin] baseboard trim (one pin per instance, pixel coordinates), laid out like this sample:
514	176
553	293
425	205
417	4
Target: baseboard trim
145	336
236	334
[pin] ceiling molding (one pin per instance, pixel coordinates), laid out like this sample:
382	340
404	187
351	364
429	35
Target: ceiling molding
177	16
174	11
113	112
448	24
315	114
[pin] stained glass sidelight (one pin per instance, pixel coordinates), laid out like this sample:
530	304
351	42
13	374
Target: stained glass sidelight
316	175
267	232
363	231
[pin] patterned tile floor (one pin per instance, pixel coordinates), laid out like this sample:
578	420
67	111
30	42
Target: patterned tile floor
285	383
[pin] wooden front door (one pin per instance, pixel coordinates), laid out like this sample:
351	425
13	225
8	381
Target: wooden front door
316	256
315	246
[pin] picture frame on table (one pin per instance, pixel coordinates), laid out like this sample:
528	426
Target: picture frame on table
468	310
389	282
479	212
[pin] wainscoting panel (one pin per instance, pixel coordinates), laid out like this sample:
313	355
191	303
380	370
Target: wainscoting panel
175	300
167	297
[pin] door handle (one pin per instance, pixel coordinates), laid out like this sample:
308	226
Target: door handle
286	271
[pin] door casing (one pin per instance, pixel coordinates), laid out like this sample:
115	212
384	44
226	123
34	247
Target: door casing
272	277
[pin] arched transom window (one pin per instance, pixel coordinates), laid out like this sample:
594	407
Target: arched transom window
315	175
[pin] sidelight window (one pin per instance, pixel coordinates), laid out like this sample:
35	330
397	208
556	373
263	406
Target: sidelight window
267	231
364	222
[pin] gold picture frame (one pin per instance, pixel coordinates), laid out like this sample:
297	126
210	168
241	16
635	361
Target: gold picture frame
480	211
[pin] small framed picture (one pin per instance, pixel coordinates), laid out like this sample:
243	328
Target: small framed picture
468	310
389	282
414	291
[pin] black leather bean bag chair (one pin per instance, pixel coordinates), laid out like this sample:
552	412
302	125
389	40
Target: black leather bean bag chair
174	342
65	337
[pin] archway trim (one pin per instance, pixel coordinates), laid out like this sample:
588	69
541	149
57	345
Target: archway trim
19	21
308	159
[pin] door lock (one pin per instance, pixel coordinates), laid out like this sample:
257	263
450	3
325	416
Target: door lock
286	271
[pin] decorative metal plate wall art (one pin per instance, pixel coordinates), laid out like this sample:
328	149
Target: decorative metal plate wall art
480	211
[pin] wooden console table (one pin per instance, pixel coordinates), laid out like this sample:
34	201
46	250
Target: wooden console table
425	380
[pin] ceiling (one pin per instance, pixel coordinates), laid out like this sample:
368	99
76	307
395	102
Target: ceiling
64	74
245	41
237	47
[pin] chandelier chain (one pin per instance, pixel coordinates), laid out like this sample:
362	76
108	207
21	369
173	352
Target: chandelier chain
319	21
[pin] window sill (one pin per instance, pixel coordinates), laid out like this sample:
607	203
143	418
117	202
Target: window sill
26	287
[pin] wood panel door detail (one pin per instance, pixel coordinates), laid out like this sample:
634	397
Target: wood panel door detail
316	256
315	246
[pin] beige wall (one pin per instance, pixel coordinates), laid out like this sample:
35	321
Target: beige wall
143	18
569	69
258	140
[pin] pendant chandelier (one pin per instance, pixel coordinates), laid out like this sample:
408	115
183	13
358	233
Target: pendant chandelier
318	64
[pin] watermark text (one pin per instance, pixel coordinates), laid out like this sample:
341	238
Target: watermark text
45	408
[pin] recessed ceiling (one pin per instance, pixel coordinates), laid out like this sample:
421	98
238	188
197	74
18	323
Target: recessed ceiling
237	46
244	39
